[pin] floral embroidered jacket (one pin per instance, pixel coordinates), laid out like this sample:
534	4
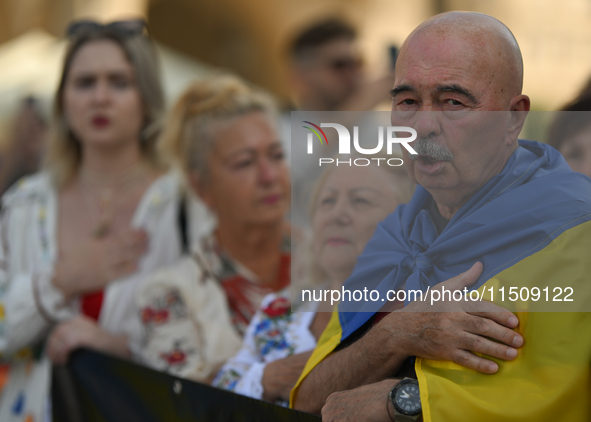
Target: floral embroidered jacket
29	303
243	290
188	331
274	333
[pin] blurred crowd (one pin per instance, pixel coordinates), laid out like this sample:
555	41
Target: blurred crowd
164	236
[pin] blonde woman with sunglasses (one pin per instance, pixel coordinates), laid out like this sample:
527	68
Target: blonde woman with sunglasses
76	238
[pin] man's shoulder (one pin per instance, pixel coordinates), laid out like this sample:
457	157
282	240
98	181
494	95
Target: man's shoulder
553	170
539	178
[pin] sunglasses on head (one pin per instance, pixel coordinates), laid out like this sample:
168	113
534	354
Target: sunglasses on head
127	29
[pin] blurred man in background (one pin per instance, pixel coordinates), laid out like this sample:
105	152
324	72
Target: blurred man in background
326	70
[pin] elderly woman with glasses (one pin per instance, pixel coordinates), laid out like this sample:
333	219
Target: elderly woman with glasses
76	237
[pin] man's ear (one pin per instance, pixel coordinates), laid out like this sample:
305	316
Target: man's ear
200	188
519	107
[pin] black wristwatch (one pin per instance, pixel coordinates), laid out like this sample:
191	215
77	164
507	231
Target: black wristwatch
406	399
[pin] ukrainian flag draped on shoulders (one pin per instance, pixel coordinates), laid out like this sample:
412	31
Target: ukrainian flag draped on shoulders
530	227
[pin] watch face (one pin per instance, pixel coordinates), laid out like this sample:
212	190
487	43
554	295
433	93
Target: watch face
407	399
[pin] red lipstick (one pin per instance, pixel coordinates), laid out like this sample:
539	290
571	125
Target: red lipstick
100	122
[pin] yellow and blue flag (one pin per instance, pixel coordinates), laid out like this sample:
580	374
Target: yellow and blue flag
530	226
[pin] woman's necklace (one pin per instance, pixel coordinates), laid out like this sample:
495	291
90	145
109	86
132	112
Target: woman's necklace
109	199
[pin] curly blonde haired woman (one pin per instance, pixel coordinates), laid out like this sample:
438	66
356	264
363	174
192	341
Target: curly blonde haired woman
223	133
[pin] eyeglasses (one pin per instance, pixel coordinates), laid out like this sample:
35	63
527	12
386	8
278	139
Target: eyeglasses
126	29
344	64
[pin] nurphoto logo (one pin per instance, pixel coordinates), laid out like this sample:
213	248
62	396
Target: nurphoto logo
345	143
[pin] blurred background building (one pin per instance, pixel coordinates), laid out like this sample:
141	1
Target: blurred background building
250	37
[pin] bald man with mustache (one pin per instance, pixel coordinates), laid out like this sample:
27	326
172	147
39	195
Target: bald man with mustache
494	209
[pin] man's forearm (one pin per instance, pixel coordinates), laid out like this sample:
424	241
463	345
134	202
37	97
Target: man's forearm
368	360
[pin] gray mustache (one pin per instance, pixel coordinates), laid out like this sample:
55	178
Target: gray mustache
428	147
